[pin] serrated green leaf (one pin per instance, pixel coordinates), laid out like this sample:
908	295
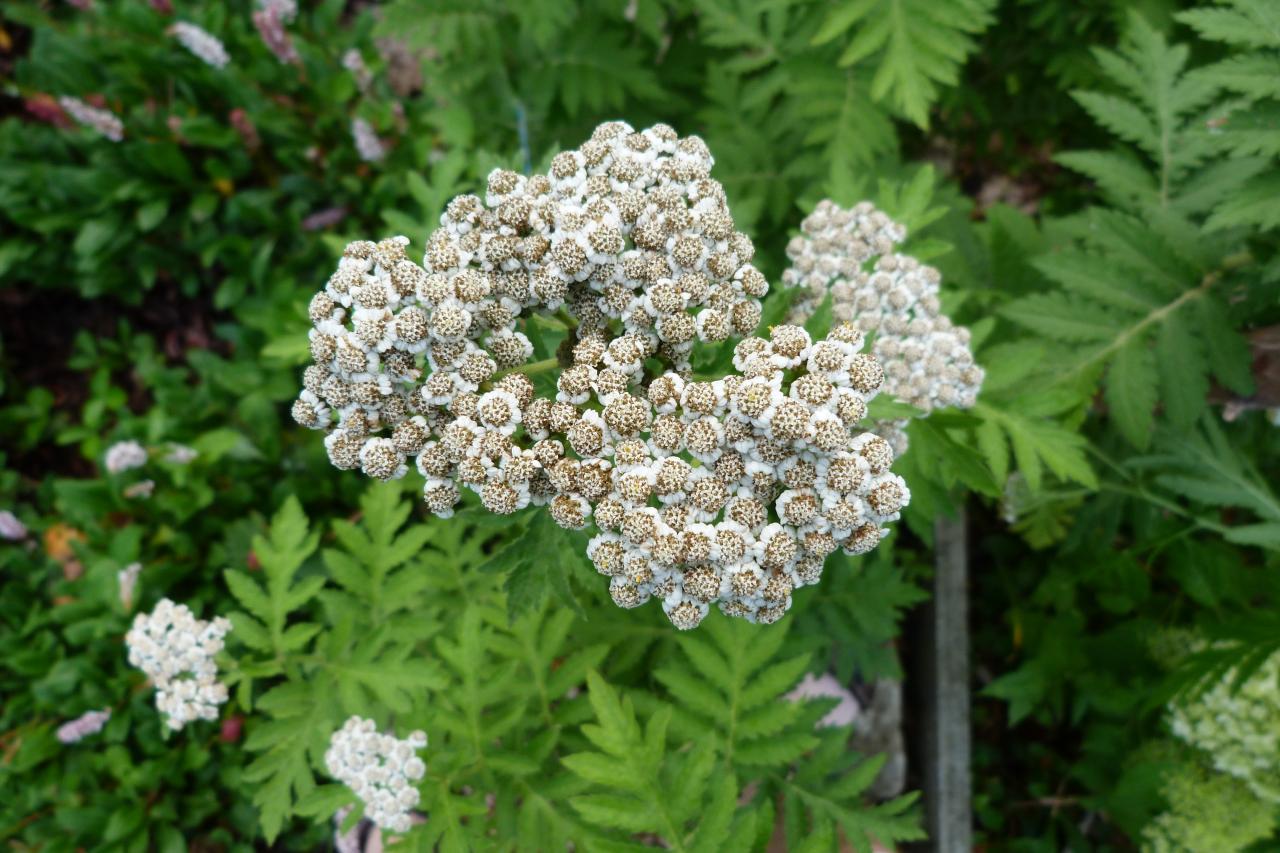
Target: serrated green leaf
250	631
249	593
1131	391
1061	318
1184	380
919	46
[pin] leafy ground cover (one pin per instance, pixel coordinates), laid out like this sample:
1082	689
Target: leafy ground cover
1096	183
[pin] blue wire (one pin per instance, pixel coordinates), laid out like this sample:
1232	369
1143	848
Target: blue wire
522	130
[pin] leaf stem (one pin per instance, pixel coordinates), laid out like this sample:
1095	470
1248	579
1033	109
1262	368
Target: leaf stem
1229	263
530	368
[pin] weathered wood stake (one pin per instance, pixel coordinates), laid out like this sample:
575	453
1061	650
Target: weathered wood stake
947	783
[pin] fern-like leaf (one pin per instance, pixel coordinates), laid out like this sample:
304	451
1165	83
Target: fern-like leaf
1132	291
728	683
1159	110
1242	23
918	46
1202	466
641	784
825	793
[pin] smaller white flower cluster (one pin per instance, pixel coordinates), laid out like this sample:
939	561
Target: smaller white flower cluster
128	580
180	454
88	723
1238	727
125	456
143	489
176	651
105	122
927	360
354	62
380	769
204	45
11	527
368	145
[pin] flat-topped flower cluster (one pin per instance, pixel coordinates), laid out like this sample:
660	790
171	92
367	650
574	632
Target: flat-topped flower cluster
726	490
926	358
380	769
176	651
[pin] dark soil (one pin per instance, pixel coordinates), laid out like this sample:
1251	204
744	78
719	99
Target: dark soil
38	329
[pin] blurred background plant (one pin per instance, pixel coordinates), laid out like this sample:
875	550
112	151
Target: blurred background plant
1097	183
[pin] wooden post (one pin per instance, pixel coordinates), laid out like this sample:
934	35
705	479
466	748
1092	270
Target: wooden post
947	783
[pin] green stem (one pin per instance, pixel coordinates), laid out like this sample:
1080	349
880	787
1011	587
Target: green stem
570	321
531	368
1158	315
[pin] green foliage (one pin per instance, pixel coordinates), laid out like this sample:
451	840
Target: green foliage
728	690
677	795
415	631
1143	295
1208	810
538	560
366	659
1246	116
822	801
918	46
728	683
1096	180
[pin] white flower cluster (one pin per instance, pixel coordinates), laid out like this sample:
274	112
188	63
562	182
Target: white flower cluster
380	769
927	360
11	527
202	44
1238	728
354	62
368	145
180	454
105	122
125	456
88	723
142	489
127	578
176	651
757	478
730	491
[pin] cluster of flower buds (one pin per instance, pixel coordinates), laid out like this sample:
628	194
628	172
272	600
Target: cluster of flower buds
11	527
285	10
104	122
353	61
1238	727
202	44
369	147
1205	810
88	723
176	651
927	360
729	491
755	479
124	456
380	769
127	578
180	454
271	19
